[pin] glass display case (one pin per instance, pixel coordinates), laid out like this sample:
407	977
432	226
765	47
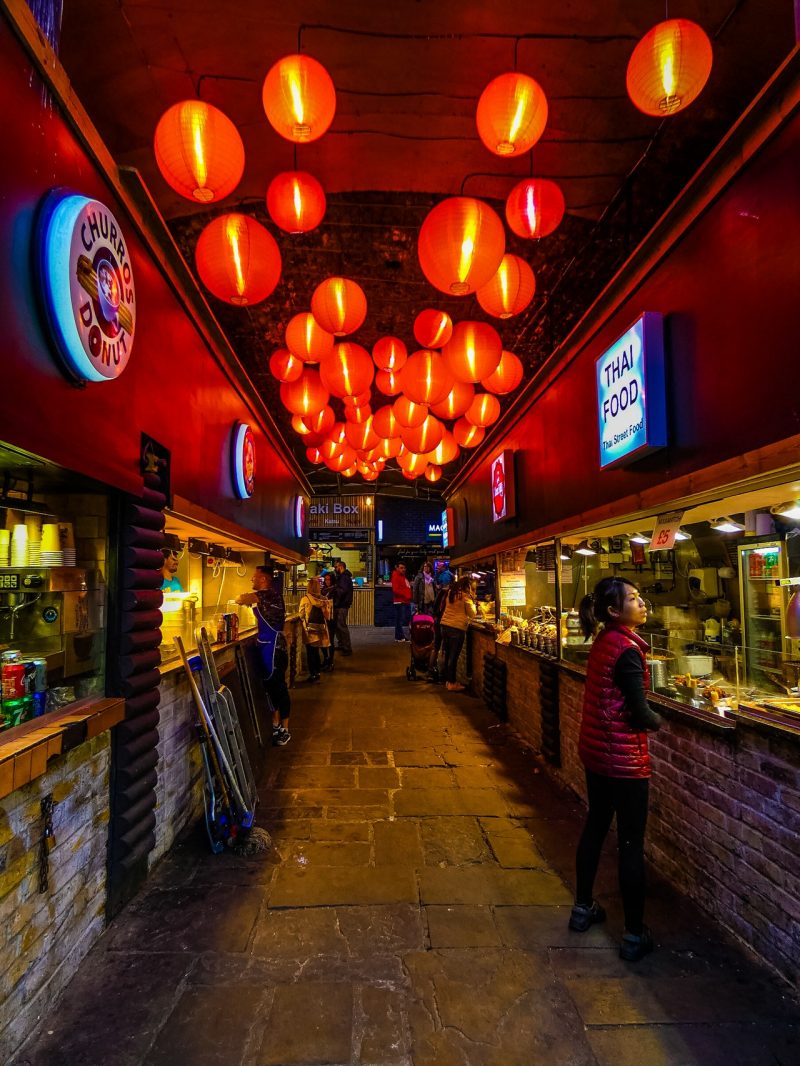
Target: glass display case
528	594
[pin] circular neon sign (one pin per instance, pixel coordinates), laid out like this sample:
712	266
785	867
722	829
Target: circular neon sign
299	516
243	454
87	286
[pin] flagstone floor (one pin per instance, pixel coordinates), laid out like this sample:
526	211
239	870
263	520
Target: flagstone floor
413	911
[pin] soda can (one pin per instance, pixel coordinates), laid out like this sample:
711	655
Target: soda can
17	711
10	656
39	704
30	677
40	683
13	680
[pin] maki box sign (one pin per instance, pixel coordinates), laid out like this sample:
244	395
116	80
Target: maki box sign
337	512
631	398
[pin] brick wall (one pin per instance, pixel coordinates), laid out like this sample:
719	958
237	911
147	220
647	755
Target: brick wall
44	936
522	684
179	790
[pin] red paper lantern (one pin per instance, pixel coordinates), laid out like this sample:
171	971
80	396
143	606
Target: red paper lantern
456	402
384	422
284	366
411	475
467	435
388	382
299	426
358	415
507	376
669	67
474	351
408	413
412	462
199	151
305	396
339	305
484	410
343	460
510	290
460	245
306	339
389	447
423	438
238	260
350	471
426	377
433	329
446	451
358	401
314	455
299	98
433	472
370	475
312	440
361	437
330	448
320	421
535	207
511	114
296	201
347	370
389	353
337	433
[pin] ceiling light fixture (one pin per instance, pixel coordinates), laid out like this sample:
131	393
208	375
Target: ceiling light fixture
727	525
584	548
669	67
790	509
638	538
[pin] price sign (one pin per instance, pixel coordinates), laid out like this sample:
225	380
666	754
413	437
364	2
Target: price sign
667	526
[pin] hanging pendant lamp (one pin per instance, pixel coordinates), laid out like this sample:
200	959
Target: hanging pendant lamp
433	329
535	207
460	245
669	67
506	377
474	351
296	201
426	377
306	339
511	114
511	289
284	366
347	370
389	353
299	98
339	306
238	260
199	151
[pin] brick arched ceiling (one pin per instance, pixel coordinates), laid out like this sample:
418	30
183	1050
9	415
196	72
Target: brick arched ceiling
408	75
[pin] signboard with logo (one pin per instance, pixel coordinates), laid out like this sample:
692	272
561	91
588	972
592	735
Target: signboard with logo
339	536
87	286
299	516
338	511
501	476
448	528
434	532
243	460
631	402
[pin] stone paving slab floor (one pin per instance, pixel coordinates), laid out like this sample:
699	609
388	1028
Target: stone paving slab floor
412	912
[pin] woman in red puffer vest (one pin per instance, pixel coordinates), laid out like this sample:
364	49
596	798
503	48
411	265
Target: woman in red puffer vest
614	751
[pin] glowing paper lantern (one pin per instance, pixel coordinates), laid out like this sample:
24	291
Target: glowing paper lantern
343	460
669	67
299	98
370	475
411	475
388	382
535	207
510	290
350	471
446	451
511	114
305	396
296	201
484	410
338	432
468	435
460	245
433	329
199	151
299	426
347	370
389	447
456	402
474	351
357	401
384	422
433	472
361	437
426	377
358	415
314	455
320	421
329	449
238	260
411	462
284	366
389	353
339	305
507	376
306	339
424	438
408	413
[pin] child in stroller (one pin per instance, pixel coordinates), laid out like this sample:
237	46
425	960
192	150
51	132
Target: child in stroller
423	642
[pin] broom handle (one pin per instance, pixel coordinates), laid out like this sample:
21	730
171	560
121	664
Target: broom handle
201	713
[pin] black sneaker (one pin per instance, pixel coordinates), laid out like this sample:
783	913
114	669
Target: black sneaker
281	736
583	917
634	948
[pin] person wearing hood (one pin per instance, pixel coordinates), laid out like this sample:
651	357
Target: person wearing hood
315	610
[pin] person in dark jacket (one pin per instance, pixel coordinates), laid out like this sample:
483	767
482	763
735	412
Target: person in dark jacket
329	592
613	749
342	602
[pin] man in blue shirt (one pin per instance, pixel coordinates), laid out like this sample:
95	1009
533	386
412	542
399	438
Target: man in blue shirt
445	576
168	571
266	599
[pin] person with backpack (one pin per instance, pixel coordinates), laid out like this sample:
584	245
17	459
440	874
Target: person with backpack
315	610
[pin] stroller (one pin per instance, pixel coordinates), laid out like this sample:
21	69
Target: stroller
423	635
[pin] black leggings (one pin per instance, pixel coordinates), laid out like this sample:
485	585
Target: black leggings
275	685
627	798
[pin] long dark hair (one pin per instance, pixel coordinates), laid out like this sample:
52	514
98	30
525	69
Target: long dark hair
593	610
458	588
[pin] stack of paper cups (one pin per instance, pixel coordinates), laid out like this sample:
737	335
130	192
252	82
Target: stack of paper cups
33	524
66	538
5	546
50	552
19	546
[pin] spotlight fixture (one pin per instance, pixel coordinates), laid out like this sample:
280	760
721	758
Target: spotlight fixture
727	525
681	535
565	554
638	538
790	509
585	549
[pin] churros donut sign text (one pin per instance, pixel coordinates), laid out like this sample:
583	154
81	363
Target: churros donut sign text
87	285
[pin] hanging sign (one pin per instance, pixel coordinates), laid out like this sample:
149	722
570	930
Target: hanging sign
631	407
666	529
243	460
448	528
502	481
87	286
341	511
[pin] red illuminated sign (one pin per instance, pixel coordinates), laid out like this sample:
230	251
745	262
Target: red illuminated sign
243	456
502	482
